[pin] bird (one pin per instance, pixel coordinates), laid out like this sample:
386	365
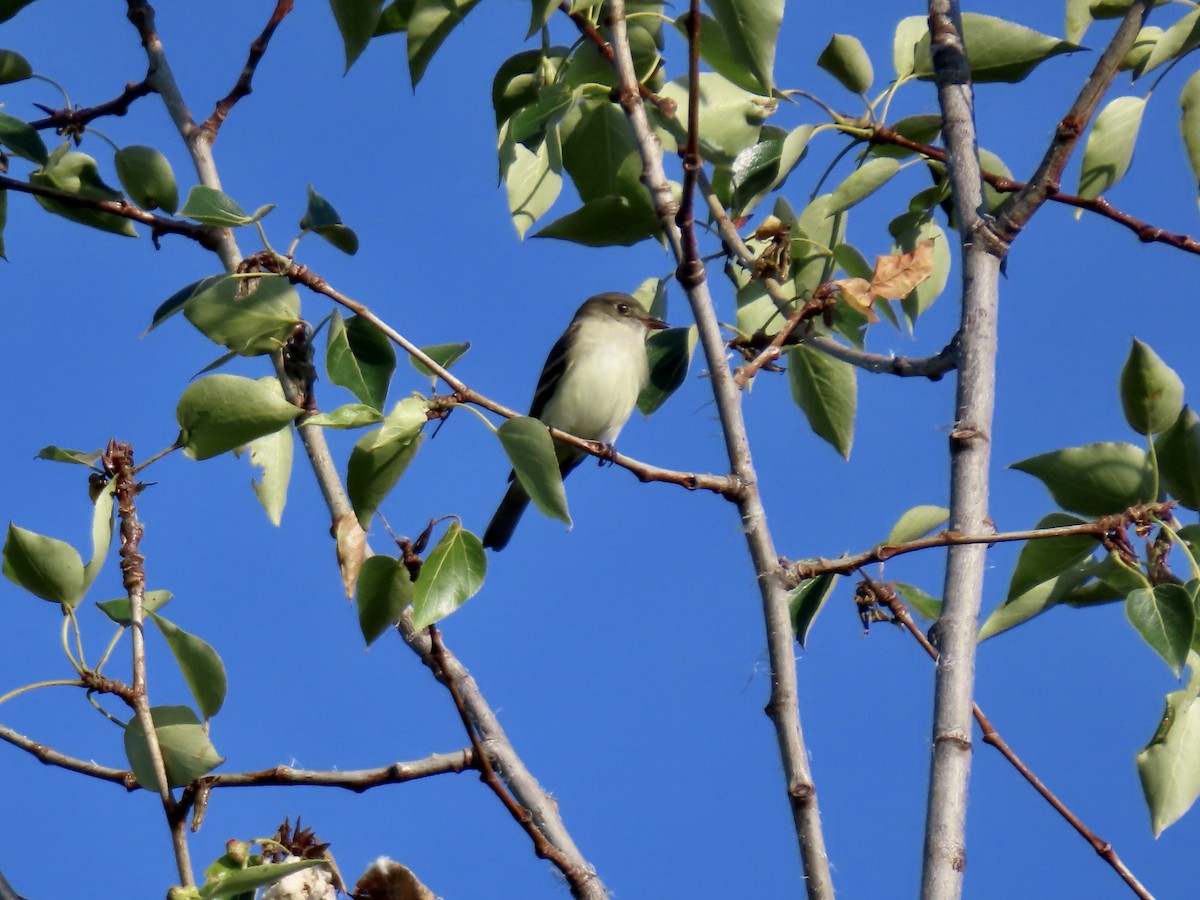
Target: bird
588	388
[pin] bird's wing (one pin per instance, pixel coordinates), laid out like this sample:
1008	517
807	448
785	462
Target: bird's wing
552	373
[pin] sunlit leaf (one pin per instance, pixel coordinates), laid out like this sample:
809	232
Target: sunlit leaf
751	27
997	50
826	389
272	454
805	600
1169	765
532	177
845	58
451	574
220	412
1178	451
1165	617
360	358
120	611
186	750
201	666
445	355
1109	148
916	523
1095	479
1046	558
44	566
208	206
1151	391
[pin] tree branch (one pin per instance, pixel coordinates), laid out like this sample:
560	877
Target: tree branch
243	87
118	463
203	235
970	453
73	121
886	596
783	706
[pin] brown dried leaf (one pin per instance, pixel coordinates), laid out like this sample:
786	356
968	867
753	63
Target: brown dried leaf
351	550
856	293
896	276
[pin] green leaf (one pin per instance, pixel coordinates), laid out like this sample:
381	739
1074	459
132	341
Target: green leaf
357	21
9	8
22	139
532	176
394	17
384	591
908	34
451	574
119	610
1095	479
845	58
1046	558
925	605
1111	9
997	50
916	523
1178	451
588	65
669	353
360	358
814	235
1109	147
751	27
77	173
805	600
249	317
1151	392
147	178
715	50
1177	41
862	183
13	67
220	412
1165	617
521	79
186	750
1143	46
351	415
730	118
604	222
44	566
240	883
201	666
429	25
765	166
530	449
1169	765
320	217
1033	602
180	298
826	389
208	206
78	457
445	355
3	221
1189	121
381	456
272	453
102	530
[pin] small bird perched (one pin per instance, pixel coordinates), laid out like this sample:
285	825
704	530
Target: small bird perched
588	388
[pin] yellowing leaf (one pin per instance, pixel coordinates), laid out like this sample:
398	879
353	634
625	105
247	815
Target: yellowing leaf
896	276
856	293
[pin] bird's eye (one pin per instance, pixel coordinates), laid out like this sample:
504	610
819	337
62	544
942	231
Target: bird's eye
623	308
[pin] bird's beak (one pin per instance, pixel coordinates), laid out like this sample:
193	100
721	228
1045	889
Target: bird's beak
652	323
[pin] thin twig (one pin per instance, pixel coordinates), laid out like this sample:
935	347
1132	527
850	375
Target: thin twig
885	595
578	878
783	706
118	462
302	275
74	120
202	234
1105	529
244	85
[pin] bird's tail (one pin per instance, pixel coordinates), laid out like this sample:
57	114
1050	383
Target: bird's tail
504	522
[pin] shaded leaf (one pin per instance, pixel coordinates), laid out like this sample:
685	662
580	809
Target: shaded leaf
805	600
1189	121
1033	602
384	591
862	183
44	566
1169	765
669	353
1095	479
186	750
604	222
530	449
147	178
351	415
201	666
22	139
381	456
826	389
240	883
452	573
321	218
360	358
357	21
751	28
221	412
916	523
1151	391
925	605
252	323
715	50
1046	558
13	67
845	58
997	50
1178	451
77	173
78	457
445	355
1109	148
120	612
208	206
1165	617
429	25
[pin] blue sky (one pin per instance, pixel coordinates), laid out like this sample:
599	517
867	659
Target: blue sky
625	658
